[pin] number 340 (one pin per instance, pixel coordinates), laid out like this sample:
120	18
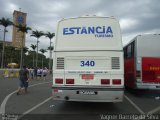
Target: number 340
87	63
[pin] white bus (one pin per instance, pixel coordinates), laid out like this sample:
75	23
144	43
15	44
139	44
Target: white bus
88	60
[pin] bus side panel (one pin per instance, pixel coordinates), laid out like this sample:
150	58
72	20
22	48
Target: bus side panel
129	72
151	70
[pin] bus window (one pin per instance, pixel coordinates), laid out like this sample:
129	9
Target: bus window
125	52
129	51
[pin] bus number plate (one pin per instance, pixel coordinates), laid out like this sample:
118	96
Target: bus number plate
87	76
87	63
87	92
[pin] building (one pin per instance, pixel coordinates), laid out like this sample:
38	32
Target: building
18	18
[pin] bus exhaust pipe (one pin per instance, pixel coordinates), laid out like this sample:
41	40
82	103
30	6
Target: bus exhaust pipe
66	98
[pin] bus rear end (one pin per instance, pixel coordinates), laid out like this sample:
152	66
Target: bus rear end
88	66
148	62
149	76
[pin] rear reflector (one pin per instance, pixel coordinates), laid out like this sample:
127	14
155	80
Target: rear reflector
57	91
116	81
69	81
105	81
59	81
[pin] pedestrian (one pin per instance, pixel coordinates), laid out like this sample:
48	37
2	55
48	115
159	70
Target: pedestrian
35	72
23	78
39	73
31	72
44	73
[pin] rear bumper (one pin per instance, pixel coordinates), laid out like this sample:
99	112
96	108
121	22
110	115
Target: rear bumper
149	86
103	94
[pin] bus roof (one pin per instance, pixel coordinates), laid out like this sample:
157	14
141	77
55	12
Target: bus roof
87	16
135	38
148	45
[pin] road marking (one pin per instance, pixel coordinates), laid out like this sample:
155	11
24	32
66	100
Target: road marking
134	105
154	111
3	105
35	107
38	105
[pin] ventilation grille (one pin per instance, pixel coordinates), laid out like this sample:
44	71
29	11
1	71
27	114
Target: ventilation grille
60	63
115	63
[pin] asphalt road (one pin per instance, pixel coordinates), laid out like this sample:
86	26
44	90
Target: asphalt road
38	104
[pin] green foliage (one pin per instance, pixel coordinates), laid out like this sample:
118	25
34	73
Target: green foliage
33	46
12	55
5	22
25	49
43	51
50	35
37	34
51	48
29	62
1	46
23	28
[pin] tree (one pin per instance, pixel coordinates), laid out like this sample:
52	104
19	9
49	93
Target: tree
51	48
10	52
33	47
5	23
42	51
24	29
16	55
25	50
37	34
50	36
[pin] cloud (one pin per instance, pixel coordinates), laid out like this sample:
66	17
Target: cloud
11	7
127	23
56	6
135	16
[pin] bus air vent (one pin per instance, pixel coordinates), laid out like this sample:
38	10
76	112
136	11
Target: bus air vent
115	63
60	63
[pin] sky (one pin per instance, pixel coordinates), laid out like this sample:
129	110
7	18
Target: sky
136	17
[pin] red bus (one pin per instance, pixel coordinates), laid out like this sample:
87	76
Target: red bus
142	62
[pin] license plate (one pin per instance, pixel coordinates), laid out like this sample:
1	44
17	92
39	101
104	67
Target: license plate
87	92
87	76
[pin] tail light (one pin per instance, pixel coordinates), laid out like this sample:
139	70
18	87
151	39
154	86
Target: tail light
69	81
138	74
116	81
59	81
105	81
